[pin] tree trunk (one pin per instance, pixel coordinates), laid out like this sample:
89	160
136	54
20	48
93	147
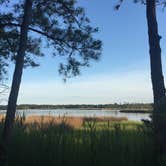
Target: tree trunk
159	112
155	52
12	102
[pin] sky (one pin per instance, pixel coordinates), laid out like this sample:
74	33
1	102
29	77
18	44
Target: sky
123	72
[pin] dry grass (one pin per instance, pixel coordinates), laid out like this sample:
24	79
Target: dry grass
2	117
75	122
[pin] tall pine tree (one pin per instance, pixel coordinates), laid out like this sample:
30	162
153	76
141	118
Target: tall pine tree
29	24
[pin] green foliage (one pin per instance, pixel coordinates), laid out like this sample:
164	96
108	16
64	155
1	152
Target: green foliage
115	144
59	25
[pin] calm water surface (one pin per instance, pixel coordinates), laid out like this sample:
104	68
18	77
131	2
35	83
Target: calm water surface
82	113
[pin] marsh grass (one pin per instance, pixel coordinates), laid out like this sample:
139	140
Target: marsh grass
94	144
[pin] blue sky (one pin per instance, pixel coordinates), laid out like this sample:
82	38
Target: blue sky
121	75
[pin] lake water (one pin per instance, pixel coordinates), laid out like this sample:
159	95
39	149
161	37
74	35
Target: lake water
82	113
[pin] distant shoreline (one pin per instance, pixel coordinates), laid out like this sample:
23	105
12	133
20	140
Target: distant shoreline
136	111
121	109
135	107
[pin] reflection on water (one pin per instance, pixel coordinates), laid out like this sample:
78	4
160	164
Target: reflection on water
82	113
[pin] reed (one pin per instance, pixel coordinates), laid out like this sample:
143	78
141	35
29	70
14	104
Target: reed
59	144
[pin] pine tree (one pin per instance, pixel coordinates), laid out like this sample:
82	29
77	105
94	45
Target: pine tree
59	24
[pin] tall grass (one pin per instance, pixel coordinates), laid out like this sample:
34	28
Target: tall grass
95	144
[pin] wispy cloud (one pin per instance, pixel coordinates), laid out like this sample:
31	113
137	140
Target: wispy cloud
132	86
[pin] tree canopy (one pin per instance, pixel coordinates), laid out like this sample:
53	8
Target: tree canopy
59	25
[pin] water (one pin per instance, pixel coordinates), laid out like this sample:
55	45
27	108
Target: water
81	113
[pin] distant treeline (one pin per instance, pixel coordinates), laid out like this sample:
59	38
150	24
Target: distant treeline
84	106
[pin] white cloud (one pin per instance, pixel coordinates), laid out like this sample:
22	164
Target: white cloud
132	86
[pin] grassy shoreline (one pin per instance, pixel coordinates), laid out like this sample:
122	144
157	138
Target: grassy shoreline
75	122
95	144
135	111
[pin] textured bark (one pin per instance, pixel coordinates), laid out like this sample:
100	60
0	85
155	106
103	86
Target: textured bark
155	52
12	102
159	113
